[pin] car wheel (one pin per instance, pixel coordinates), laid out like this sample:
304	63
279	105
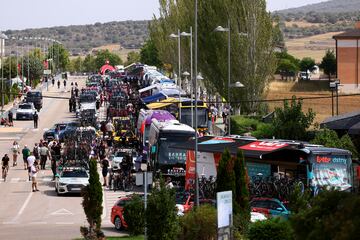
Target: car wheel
118	224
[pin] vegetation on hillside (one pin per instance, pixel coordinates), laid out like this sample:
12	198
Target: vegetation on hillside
80	39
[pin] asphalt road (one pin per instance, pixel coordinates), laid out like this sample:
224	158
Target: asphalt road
42	215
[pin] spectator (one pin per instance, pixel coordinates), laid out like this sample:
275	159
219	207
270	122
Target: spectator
16	151
26	154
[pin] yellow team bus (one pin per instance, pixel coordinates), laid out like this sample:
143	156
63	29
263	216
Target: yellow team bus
172	105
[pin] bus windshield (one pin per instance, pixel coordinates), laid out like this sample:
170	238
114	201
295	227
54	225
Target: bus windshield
171	156
202	116
332	171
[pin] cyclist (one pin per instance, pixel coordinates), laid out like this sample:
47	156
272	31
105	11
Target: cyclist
5	166
126	166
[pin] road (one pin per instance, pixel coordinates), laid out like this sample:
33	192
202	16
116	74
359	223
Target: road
42	215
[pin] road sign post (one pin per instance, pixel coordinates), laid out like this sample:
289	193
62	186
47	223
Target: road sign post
224	215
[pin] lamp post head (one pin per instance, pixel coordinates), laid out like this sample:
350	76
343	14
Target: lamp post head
173	35
199	77
239	85
185	34
221	29
186	74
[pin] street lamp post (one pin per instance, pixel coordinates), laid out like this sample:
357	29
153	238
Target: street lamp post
196	106
178	36
190	34
222	29
2	51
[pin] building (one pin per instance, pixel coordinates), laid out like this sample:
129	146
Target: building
348	56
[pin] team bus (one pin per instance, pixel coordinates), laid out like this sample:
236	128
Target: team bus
172	105
163	158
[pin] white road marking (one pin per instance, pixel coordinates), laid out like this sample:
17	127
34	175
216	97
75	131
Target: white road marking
35	130
14	180
64	223
23	206
46	179
8	223
62	211
37	223
45	129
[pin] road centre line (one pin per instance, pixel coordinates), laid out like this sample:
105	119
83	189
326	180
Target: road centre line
64	223
23	206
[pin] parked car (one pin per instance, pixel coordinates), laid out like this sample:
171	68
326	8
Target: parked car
117	211
50	134
68	131
184	203
117	158
36	98
270	207
25	111
71	180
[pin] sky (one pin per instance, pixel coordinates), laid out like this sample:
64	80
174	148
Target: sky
22	14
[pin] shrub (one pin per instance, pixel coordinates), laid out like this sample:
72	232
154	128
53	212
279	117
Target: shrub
134	215
272	229
199	224
161	214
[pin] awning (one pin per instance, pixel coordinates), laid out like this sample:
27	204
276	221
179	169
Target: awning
342	122
255	149
162	104
154	98
148	88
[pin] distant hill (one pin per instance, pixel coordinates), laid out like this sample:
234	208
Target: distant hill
320	18
81	39
333	6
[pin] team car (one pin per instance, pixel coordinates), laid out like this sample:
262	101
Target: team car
25	111
71	180
51	133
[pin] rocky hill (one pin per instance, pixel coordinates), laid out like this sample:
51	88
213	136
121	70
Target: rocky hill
80	39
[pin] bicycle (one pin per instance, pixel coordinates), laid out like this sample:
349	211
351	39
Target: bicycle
5	170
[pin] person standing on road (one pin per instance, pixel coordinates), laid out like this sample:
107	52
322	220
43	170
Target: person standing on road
71	100
44	153
58	83
36	119
15	150
36	152
105	170
26	154
64	84
33	169
11	119
53	81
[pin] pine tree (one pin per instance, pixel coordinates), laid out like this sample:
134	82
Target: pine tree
225	180
92	199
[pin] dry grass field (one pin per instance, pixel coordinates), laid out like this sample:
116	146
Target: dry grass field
301	24
115	48
314	46
322	107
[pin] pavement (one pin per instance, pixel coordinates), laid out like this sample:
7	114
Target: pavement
42	215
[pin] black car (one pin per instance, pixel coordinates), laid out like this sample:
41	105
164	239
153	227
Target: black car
50	134
36	98
69	131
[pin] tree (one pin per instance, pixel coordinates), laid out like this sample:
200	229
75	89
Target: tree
10	67
105	55
89	64
134	213
149	54
307	64
76	65
161	214
92	199
329	138
331	215
329	64
132	57
253	59
33	66
225	179
272	229
290	122
288	65
199	224
60	57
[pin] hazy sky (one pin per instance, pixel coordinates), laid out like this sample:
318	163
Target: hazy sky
21	14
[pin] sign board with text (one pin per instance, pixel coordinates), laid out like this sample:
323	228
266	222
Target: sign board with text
47	72
224	209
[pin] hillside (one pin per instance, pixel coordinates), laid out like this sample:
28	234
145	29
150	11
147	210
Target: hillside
333	6
320	18
81	39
